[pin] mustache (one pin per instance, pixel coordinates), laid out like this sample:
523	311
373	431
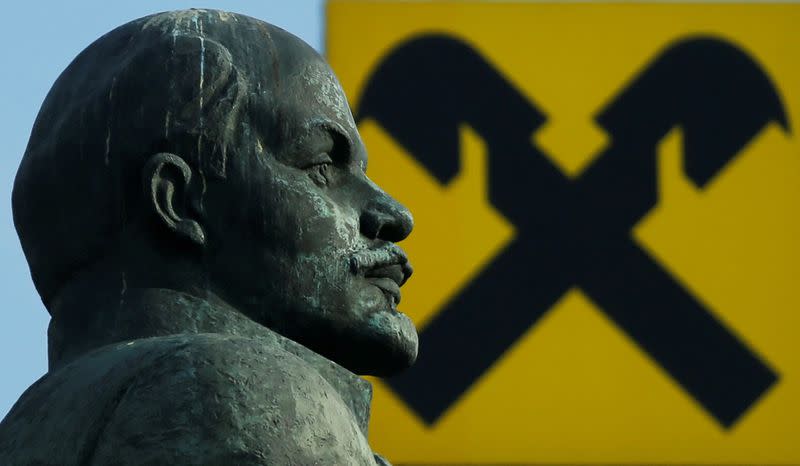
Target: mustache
367	259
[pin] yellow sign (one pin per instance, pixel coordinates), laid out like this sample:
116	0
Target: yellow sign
607	237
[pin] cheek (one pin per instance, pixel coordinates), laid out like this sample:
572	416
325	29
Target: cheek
294	238
326	235
318	225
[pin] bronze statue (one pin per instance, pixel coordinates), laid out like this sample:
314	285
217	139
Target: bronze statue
195	212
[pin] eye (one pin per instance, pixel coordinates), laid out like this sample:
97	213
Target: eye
321	170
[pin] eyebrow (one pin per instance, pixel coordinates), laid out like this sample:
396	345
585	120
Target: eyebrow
340	137
337	133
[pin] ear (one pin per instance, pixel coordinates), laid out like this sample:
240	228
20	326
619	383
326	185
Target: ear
167	180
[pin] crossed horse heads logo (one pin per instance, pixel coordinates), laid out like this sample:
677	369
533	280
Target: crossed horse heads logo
576	232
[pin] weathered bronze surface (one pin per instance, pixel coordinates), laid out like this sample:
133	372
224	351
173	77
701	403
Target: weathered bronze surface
195	212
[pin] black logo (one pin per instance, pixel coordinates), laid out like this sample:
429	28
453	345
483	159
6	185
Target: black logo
577	232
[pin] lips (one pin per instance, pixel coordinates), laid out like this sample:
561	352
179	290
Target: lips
389	279
385	267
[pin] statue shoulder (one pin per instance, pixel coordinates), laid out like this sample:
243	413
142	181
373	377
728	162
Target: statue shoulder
206	399
221	399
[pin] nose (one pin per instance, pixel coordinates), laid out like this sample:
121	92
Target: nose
385	218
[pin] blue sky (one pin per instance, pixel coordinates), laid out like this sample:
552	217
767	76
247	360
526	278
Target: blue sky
38	40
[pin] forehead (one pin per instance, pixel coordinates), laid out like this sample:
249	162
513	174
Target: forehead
312	101
313	93
295	92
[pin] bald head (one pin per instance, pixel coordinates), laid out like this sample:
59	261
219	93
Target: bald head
198	83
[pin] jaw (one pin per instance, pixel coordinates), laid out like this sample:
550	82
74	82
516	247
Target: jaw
379	340
390	345
382	343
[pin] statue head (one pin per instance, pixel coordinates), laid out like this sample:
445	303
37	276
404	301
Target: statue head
215	154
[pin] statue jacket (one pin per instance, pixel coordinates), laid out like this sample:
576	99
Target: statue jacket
195	399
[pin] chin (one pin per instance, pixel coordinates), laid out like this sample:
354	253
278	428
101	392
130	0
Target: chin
361	332
382	343
388	346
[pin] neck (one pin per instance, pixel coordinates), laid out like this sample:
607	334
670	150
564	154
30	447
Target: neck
85	318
